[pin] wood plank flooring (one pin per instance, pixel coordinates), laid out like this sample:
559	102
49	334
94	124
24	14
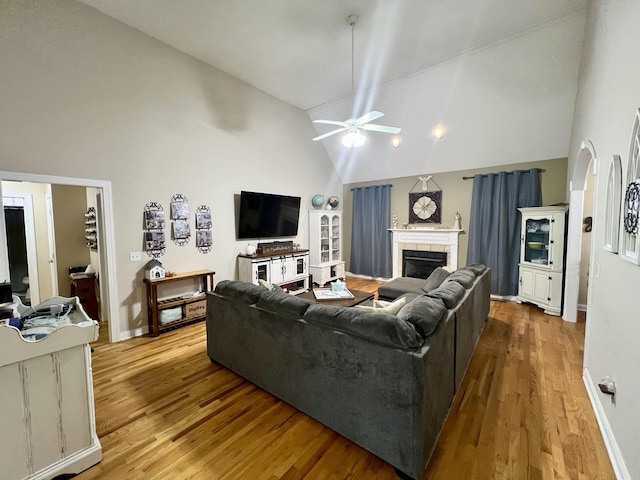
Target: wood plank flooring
164	411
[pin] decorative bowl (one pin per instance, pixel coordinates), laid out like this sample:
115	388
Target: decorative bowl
535	245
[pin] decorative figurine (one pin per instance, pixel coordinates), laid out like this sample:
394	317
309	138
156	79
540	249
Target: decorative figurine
395	221
457	225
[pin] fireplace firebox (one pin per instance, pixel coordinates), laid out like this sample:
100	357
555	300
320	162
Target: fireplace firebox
420	264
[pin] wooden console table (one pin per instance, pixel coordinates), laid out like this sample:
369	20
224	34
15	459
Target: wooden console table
193	307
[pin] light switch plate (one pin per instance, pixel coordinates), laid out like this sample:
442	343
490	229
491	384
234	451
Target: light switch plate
135	256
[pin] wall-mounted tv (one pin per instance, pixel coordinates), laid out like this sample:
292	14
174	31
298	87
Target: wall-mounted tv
266	215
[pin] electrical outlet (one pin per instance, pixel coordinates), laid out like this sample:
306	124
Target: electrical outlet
135	256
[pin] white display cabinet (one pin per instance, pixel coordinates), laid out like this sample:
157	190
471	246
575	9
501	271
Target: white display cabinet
290	270
47	415
542	251
325	246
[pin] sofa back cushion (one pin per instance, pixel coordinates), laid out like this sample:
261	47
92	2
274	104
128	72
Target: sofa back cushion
280	302
463	277
434	280
242	291
424	313
378	327
476	268
450	293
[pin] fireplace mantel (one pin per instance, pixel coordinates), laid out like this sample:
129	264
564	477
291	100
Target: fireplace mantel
426	239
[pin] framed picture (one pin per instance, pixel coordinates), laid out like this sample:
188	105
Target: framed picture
181	229
153	220
203	220
180	210
204	238
154	240
425	207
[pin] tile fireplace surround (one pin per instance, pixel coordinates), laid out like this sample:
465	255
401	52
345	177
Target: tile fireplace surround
427	240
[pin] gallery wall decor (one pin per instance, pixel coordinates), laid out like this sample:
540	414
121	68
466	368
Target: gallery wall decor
425	202
180	219
91	228
204	237
612	205
154	240
630	244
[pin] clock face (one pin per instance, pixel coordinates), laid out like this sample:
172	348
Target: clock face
632	208
425	207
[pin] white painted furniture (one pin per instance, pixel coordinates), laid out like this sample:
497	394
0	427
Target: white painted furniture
47	417
542	250
325	246
289	270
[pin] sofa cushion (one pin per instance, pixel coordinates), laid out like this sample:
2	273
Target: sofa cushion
436	278
280	302
425	313
382	306
450	293
476	268
396	287
463	277
378	327
242	291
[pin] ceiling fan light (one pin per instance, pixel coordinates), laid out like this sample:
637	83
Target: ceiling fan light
353	139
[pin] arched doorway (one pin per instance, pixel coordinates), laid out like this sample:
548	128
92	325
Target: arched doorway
586	157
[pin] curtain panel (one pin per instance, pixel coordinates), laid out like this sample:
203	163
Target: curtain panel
494	226
370	238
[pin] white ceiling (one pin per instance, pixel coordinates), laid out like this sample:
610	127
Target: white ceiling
300	50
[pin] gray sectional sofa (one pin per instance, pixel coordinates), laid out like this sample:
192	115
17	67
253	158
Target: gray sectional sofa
383	381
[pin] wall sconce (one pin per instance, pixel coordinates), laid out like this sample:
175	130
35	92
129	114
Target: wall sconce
396	141
438	132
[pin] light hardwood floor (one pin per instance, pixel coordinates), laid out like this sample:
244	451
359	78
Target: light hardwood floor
164	411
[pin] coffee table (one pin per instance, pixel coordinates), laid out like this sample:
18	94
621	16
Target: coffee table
358	298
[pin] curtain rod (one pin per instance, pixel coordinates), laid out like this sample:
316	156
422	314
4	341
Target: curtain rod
541	170
367	186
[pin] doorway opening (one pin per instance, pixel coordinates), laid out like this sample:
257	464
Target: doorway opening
101	191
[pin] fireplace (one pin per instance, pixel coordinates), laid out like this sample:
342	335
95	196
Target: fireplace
438	240
420	263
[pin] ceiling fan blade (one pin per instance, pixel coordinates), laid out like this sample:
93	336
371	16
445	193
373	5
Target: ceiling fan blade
369	117
381	128
331	122
328	134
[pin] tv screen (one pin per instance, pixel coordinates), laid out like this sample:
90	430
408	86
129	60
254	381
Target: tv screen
265	215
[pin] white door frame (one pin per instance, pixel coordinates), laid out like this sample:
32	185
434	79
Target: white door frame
577	186
108	270
30	235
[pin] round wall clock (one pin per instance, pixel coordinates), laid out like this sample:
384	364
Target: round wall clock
424	207
632	208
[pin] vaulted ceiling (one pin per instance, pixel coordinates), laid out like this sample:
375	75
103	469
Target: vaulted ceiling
300	50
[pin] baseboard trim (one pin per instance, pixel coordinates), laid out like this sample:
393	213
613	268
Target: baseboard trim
582	307
504	298
615	455
137	332
366	277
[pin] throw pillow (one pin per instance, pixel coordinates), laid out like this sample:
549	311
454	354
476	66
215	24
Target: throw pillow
425	313
382	306
434	280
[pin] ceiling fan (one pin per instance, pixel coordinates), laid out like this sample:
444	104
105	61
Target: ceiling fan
354	126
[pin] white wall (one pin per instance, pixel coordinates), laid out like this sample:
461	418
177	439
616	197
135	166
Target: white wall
607	100
508	103
85	96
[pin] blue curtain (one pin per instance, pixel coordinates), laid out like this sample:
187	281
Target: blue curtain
494	224
370	237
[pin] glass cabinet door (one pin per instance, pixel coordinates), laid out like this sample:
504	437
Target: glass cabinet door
536	241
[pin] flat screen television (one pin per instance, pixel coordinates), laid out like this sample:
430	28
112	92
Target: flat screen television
266	215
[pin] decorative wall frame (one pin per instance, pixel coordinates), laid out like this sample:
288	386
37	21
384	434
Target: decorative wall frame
154	240
204	236
91	228
180	216
630	243
425	205
612	205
